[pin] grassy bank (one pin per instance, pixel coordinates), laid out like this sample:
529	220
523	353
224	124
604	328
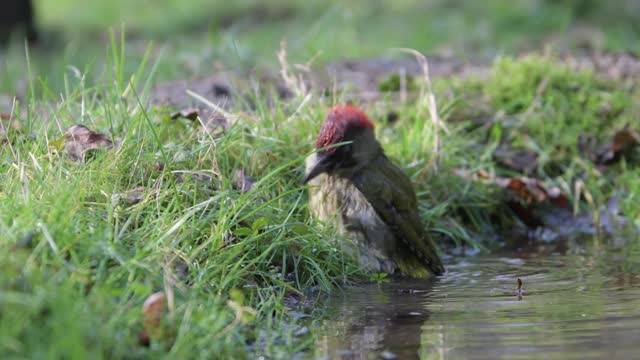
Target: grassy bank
85	242
162	205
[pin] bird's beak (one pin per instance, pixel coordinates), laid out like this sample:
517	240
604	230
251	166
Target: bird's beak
317	163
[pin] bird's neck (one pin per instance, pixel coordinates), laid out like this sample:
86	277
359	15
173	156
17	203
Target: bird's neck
366	148
361	159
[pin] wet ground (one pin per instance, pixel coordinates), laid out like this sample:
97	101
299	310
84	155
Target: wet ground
579	302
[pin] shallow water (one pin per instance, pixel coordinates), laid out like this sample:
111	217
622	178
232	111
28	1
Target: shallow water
579	302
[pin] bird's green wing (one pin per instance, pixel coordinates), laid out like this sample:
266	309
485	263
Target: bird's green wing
389	190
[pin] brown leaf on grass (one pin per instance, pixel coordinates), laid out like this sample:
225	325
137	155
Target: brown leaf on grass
134	196
179	271
195	174
5	126
214	122
528	190
154	310
524	194
188	113
520	160
532	190
242	181
8	124
621	142
79	140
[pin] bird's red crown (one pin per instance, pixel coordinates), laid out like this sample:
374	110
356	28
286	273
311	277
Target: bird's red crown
341	120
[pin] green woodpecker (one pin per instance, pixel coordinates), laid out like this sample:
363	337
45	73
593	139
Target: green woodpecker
354	186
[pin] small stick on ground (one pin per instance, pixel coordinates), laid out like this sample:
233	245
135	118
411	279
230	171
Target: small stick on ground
293	82
519	289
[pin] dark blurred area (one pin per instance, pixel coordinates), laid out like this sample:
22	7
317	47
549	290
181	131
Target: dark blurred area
17	19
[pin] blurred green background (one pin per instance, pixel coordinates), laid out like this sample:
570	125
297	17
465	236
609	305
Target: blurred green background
196	37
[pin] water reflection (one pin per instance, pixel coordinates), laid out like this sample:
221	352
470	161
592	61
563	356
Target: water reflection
578	303
372	320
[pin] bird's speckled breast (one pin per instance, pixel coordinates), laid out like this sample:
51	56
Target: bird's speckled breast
335	200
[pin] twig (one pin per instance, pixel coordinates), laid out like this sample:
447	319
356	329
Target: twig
542	87
432	107
295	84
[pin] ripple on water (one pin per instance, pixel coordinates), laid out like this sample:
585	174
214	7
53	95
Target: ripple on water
574	306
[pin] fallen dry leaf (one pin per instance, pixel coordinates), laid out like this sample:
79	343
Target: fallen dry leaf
134	196
7	124
242	181
154	310
180	271
528	190
295	247
188	113
12	129
213	121
621	142
525	193
520	160
79	139
533	191
195	174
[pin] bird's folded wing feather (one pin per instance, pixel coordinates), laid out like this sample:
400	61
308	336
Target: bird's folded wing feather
389	190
